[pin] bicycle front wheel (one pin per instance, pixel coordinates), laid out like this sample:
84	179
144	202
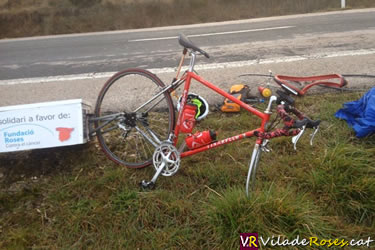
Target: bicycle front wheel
133	115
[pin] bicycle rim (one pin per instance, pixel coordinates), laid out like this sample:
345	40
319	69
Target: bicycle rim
128	124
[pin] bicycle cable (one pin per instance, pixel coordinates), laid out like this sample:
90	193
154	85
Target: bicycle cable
273	124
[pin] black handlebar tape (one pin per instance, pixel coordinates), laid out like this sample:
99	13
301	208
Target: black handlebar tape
288	121
296	112
277	133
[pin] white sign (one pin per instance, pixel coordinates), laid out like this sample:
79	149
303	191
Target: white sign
42	125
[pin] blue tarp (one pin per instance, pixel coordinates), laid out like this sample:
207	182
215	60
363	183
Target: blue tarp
360	115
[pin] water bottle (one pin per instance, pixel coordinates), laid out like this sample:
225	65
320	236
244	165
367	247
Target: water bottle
188	118
200	139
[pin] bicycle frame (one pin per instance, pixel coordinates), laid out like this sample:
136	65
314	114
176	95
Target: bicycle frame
166	156
189	76
164	161
260	143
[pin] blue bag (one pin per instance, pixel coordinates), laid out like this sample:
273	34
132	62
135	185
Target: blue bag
360	115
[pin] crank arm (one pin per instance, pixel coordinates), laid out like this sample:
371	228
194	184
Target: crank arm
313	135
297	137
158	172
151	184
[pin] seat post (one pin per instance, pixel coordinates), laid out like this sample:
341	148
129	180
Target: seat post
192	62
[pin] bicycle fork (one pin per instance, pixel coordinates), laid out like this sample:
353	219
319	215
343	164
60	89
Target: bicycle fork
257	151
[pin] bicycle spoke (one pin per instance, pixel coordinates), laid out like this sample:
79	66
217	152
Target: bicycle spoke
152	133
146	149
148	138
143	148
152	99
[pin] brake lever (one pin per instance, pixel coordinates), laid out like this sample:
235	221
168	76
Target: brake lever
298	136
312	135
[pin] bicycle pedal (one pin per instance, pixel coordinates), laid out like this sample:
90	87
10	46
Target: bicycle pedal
147	185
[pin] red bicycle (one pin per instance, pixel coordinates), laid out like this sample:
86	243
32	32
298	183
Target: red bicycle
136	122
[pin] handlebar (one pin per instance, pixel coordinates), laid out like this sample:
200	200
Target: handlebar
291	127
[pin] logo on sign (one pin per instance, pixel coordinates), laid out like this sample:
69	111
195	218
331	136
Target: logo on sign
64	133
249	241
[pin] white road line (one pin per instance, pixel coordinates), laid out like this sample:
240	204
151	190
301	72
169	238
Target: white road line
211	34
197	67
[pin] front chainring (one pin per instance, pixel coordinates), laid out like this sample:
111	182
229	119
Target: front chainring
166	154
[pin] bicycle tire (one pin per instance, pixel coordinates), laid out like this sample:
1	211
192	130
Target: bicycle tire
121	138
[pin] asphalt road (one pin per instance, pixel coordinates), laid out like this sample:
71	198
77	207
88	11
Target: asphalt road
74	66
158	48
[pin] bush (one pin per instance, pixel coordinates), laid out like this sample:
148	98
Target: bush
84	3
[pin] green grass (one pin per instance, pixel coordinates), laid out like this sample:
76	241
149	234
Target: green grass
272	211
82	200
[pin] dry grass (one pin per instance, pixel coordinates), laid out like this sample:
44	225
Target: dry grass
20	18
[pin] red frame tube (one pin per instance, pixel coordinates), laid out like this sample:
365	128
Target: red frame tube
220	143
316	80
263	116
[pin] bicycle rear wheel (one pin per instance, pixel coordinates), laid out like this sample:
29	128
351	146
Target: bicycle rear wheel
133	116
